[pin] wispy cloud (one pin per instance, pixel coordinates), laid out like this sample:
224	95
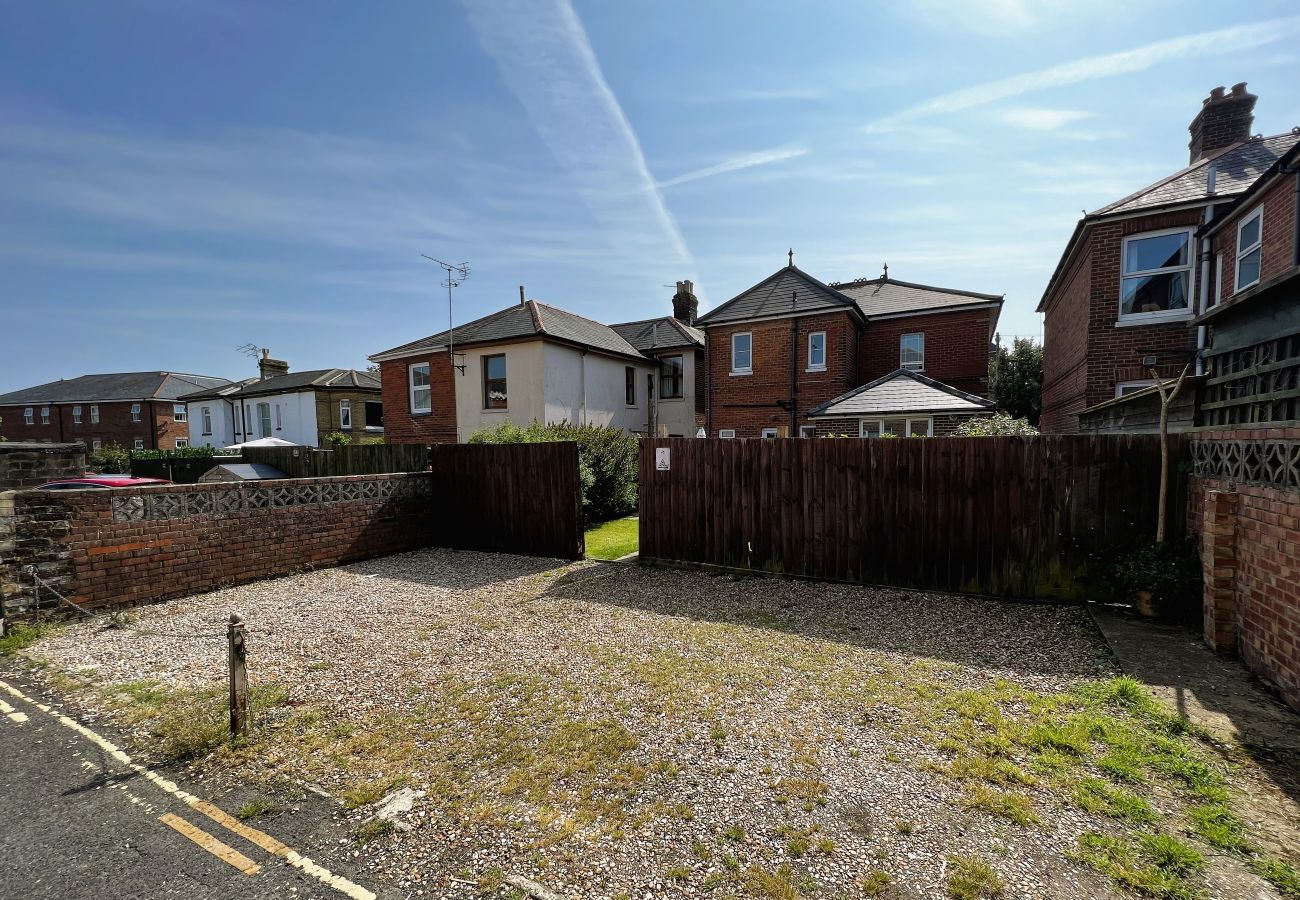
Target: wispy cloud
986	16
737	163
758	95
1037	119
546	60
1137	59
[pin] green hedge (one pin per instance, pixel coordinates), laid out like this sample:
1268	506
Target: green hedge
178	453
607	461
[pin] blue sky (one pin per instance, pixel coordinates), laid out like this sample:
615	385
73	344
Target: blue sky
182	177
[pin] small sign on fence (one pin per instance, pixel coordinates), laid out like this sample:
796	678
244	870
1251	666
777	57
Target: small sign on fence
663	459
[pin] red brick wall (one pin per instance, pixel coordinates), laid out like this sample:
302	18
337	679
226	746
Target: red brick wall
1065	349
400	426
748	403
103	559
956	347
156	427
1279	236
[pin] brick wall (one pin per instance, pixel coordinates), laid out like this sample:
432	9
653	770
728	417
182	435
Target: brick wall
400	426
27	465
1279	236
115	548
1065	349
157	428
1249	537
956	347
749	403
329	419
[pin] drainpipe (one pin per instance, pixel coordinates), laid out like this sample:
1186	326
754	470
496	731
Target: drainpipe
794	367
1207	270
1296	258
708	384
583	371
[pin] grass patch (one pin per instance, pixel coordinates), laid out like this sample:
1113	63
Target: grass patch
1219	826
875	883
1153	866
364	793
1096	796
254	808
185	722
20	637
1003	804
1283	876
776	884
610	540
970	878
372	831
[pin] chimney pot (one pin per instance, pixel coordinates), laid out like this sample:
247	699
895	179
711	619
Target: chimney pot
521	295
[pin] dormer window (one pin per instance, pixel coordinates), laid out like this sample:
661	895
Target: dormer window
1250	250
1157	279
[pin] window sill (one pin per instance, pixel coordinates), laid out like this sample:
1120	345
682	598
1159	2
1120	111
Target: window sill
1245	287
815	369
496	410
671	399
741	372
1153	319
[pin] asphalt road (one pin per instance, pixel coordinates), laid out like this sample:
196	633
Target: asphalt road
77	820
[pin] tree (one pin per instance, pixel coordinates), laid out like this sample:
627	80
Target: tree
1166	398
1016	378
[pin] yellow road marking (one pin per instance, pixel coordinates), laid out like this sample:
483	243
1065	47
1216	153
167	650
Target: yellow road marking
248	833
223	852
320	873
12	713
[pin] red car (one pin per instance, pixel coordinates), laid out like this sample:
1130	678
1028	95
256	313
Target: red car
87	482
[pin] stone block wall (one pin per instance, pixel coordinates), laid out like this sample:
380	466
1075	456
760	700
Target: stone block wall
25	465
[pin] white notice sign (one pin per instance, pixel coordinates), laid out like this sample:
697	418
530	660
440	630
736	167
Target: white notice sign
663	460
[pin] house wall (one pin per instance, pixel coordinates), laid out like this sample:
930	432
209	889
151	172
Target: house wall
401	426
681	416
1278	238
604	400
1114	352
157	427
956	347
235	421
749	403
525	371
223	427
329	419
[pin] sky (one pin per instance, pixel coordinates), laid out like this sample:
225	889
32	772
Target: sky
179	178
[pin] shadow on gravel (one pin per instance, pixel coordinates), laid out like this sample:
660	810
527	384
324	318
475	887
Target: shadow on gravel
457	570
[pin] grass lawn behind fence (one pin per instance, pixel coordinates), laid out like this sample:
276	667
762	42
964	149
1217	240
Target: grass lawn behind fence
610	540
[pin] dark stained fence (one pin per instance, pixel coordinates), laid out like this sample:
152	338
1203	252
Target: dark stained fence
352	459
1022	517
509	498
178	469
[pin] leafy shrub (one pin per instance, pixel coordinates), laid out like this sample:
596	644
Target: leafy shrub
1170	571
110	459
997	425
372	440
178	453
338	439
607	461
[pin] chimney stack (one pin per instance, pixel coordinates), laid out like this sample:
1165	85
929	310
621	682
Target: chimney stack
685	306
269	368
1225	119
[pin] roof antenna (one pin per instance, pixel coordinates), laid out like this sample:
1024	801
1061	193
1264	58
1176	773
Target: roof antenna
251	350
790	254
456	275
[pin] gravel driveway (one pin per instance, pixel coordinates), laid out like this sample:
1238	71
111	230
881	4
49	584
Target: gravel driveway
610	731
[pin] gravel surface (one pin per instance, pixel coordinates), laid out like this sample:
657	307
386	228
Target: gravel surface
611	731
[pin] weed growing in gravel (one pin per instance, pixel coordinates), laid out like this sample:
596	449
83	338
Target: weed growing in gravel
20	637
776	884
189	722
1283	876
254	808
1152	865
372	830
1004	804
970	878
875	883
366	792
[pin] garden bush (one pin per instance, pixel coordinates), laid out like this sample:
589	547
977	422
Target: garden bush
607	461
109	459
178	453
995	426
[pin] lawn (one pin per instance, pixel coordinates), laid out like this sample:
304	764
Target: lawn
610	731
610	540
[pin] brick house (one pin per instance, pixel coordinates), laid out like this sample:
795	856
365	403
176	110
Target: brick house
299	407
134	410
1133	278
791	345
533	362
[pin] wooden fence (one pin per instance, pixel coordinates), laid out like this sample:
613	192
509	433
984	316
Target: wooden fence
509	498
1011	516
351	459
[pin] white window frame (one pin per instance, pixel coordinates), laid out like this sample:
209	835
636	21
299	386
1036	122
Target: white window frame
411	388
745	370
768	433
207	419
135	412
1133	386
29	415
911	367
812	366
76	415
96	444
1190	269
264	422
94	414
907	425
726	433
139	444
1243	252
182	443
807	431
178	412
345	414
45	415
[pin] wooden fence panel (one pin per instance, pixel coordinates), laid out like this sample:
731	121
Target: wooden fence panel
1010	516
351	459
509	498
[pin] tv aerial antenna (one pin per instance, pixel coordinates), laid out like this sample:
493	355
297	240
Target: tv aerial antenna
456	275
251	350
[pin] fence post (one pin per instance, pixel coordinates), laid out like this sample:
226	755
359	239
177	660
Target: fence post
238	677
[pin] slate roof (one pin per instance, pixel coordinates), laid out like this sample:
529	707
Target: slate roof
787	290
901	391
888	296
310	380
659	334
1236	169
115	386
521	322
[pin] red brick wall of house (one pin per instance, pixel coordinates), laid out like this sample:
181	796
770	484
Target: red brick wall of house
157	426
400	426
956	347
1279	236
1114	352
1249	537
748	403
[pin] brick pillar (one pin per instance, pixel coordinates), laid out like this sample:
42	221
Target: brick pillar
1219	568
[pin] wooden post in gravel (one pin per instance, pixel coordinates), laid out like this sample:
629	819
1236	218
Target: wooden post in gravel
238	677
